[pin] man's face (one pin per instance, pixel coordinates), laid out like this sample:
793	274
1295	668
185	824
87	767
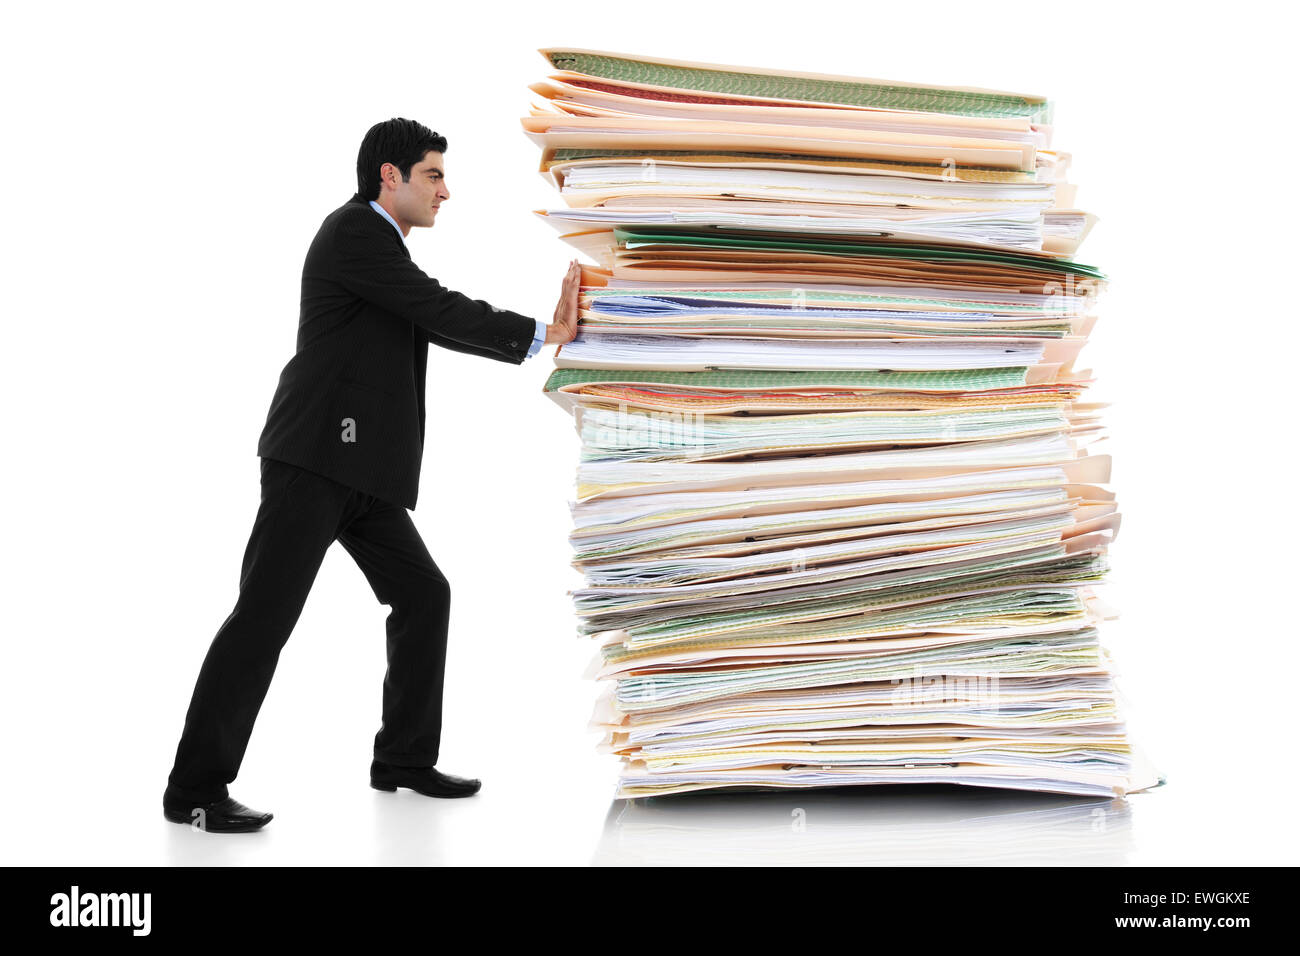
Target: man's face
416	202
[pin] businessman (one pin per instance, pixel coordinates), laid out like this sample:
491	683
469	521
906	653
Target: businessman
340	460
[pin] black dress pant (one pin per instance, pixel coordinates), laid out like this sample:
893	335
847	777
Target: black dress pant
300	516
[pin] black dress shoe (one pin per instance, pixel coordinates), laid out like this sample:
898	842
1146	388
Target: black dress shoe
426	780
217	816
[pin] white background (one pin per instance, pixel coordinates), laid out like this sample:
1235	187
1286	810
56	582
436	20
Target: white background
166	167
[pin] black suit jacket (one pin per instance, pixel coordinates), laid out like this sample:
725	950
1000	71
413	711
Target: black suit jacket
350	403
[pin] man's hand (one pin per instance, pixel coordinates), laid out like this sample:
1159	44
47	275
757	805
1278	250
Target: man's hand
565	327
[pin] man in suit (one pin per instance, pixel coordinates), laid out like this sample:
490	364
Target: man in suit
341	454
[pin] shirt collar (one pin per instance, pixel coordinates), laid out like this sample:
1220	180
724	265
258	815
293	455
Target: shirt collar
384	212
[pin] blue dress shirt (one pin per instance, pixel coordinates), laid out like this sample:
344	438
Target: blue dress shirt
539	336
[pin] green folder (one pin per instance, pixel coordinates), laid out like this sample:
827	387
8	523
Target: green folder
631	239
972	379
846	91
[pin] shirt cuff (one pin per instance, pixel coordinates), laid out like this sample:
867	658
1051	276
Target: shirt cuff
539	337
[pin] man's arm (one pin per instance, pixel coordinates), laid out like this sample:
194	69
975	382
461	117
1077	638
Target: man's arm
539	339
368	265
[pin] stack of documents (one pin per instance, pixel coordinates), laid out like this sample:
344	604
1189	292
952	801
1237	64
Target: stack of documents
836	510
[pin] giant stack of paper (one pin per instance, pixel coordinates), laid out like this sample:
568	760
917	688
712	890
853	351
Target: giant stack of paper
835	510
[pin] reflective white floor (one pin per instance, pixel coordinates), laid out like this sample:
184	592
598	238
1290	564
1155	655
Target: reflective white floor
896	826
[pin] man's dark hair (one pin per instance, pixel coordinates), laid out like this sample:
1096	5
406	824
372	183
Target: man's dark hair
402	142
